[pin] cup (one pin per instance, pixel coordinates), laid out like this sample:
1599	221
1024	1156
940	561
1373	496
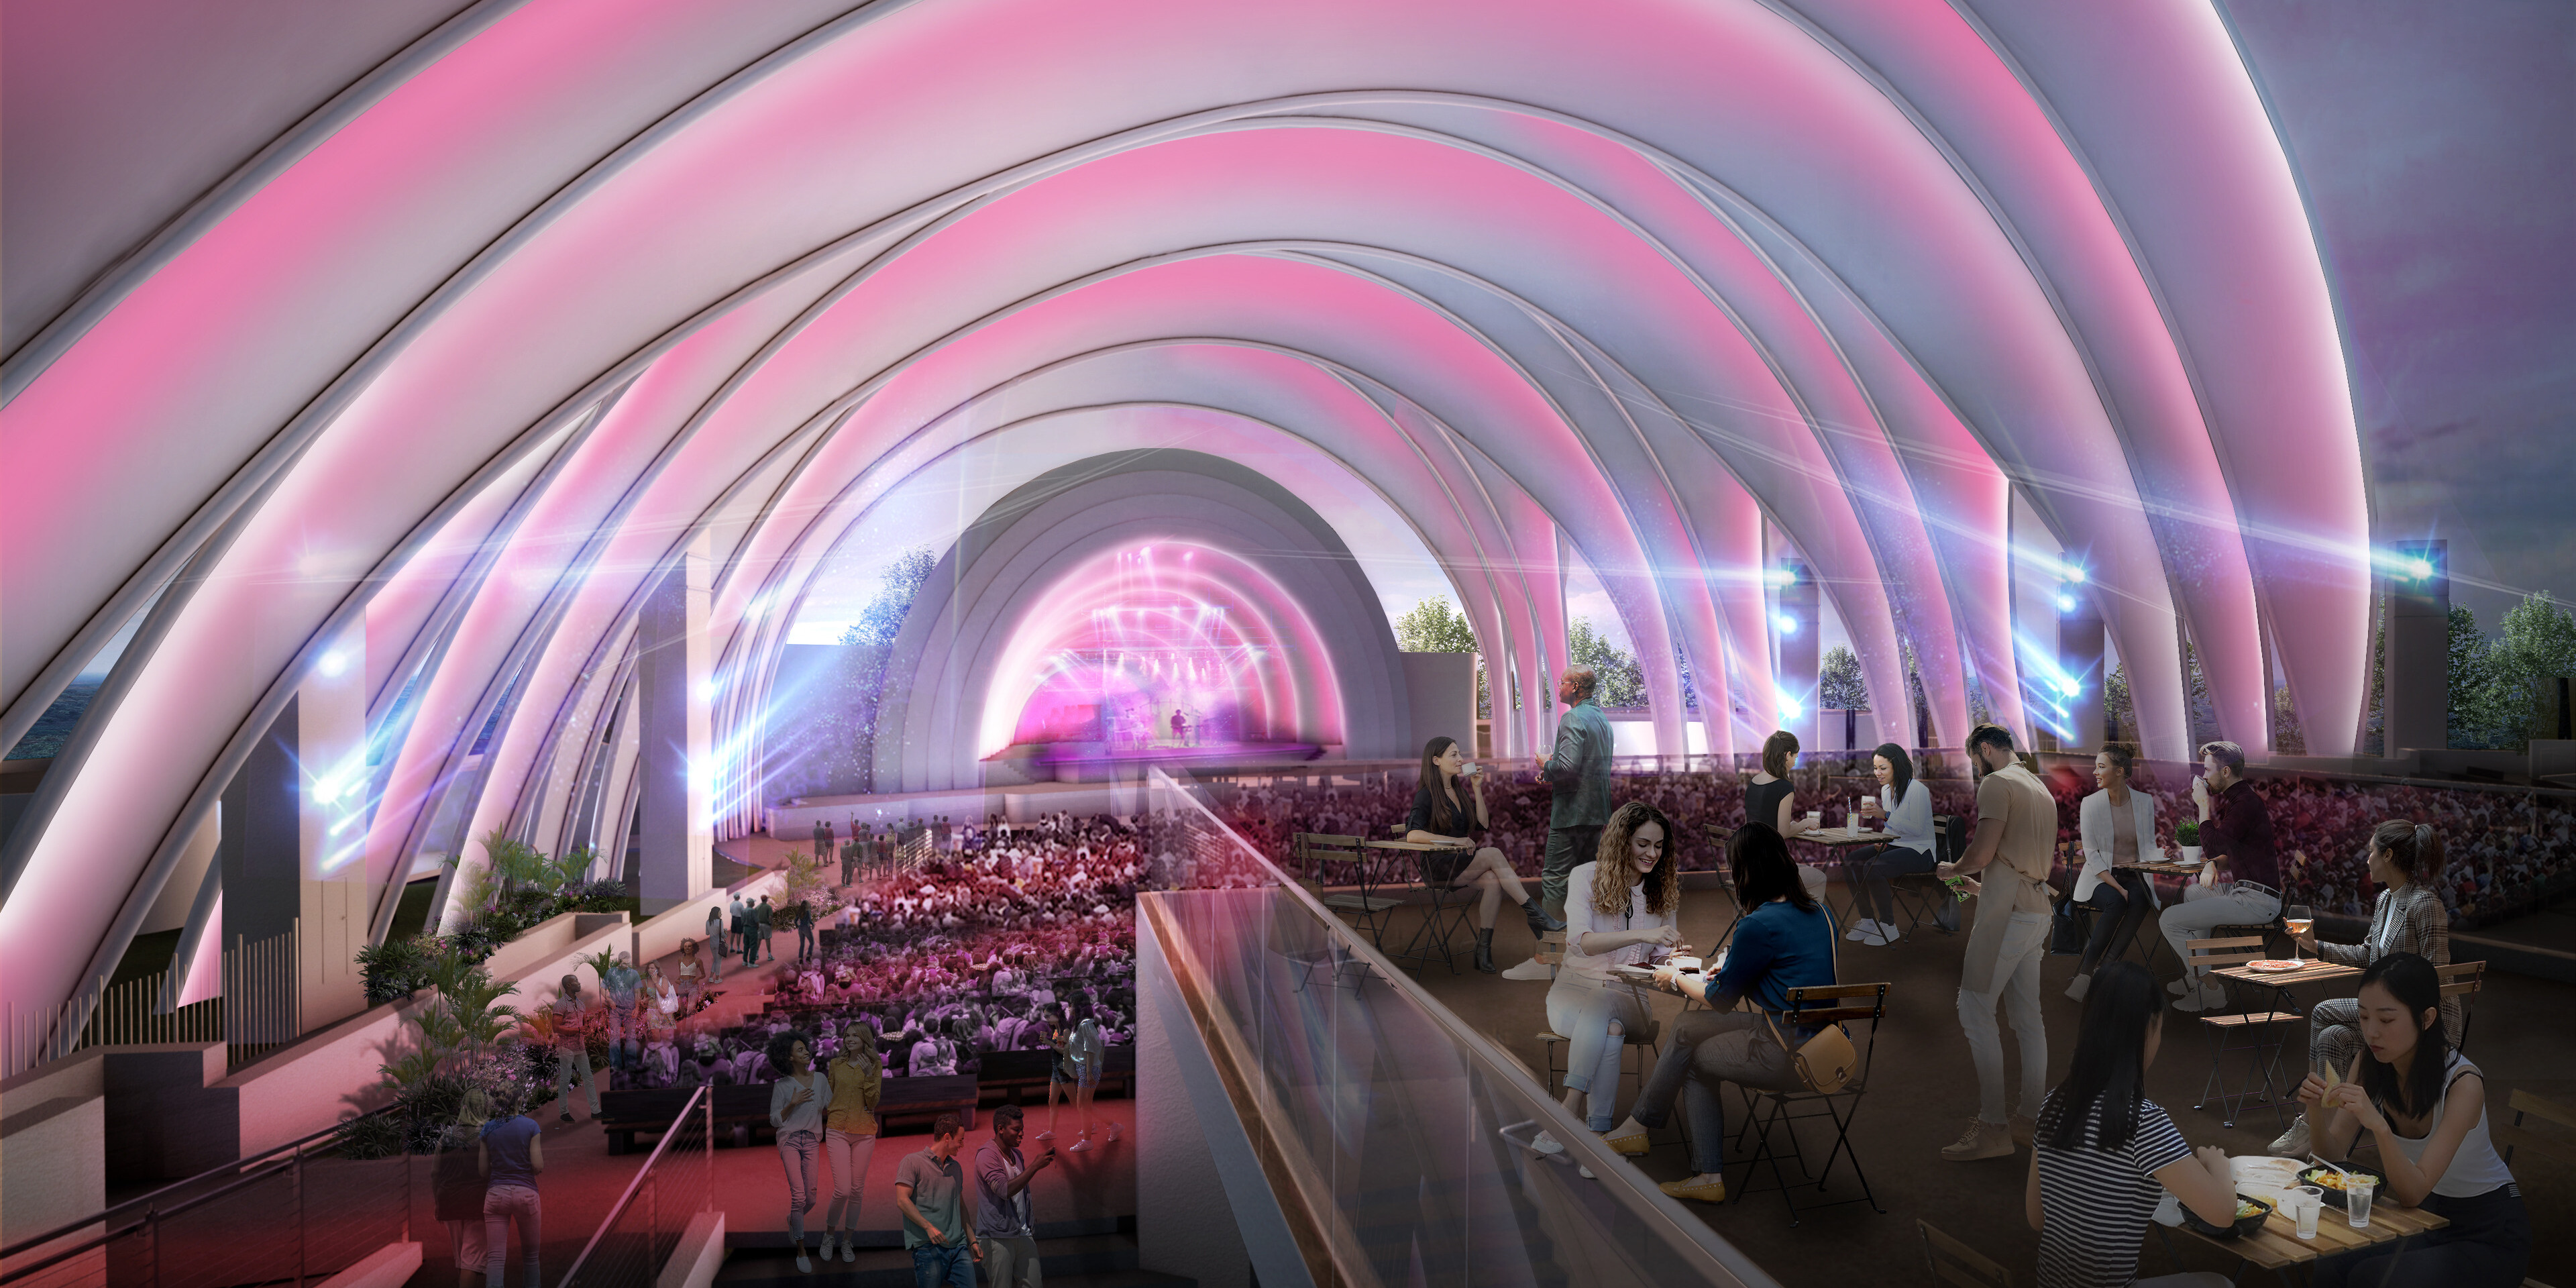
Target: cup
2357	1190
2307	1198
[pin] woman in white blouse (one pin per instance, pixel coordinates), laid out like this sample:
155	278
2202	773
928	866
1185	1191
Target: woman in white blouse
1871	873
2118	830
1621	909
797	1103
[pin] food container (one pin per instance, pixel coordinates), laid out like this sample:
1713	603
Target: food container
2251	1213
2330	1185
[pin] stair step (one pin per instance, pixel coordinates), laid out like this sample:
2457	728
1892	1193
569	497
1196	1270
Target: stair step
1068	1260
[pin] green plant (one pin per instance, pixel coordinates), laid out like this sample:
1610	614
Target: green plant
2187	832
805	882
373	1136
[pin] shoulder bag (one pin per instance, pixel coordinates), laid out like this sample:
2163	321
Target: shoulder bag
1826	1062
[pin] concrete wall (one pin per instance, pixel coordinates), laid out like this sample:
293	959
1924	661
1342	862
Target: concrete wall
53	1133
1440	693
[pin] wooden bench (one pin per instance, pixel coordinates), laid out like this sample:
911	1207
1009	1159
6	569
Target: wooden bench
1008	1073
624	1113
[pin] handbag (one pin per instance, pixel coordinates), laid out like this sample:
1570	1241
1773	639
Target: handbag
1824	1063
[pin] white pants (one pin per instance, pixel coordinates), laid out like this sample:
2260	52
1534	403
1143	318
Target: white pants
2016	978
2206	908
849	1157
1581	1009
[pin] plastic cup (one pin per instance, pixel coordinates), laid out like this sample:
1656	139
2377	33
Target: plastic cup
2357	1191
2308	1199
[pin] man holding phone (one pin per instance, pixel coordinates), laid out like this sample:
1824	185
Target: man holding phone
2241	886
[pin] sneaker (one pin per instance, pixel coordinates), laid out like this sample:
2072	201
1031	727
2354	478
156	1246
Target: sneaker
1697	1189
2179	987
567	1115
2024	1126
1080	1145
1533	969
849	1249
1547	1144
1046	1135
1982	1140
804	1264
2293	1143
2082	985
1585	1172
1861	930
824	1253
2207	1000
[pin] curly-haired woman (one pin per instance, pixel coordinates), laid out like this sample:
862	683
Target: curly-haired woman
797	1102
1621	909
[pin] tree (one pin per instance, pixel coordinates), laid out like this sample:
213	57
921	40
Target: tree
1433	626
2288	738
2116	706
2466	725
1839	686
850	729
2536	644
1622	680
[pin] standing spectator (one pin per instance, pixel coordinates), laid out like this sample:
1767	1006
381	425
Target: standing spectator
2241	882
822	839
805	930
510	1155
664	998
850	1132
1003	1221
457	1185
1577	773
716	943
930	1191
2016	837
850	855
2117	828
691	973
740	927
624	988
760	921
796	1105
572	1022
2407	859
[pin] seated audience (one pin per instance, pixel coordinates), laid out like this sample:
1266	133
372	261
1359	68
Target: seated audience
1449	807
2425	1106
1786	941
1621	909
2118	827
2103	1155
1871	870
2406	858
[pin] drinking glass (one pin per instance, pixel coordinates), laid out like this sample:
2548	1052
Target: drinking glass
2357	1190
2299	918
2309	1198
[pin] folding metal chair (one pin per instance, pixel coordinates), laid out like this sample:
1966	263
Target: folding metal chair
2463	980
1339	860
1719	836
1921	896
1959	1265
1646	1044
1815	1007
2246	1031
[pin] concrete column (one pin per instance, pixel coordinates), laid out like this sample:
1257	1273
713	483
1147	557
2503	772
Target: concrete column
675	767
2419	647
2079	657
291	840
1796	625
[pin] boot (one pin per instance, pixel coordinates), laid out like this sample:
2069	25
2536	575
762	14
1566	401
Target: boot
1539	922
1485	952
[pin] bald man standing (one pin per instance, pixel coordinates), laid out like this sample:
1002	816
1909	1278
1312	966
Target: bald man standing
1578	771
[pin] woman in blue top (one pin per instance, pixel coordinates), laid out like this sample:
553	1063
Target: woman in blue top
1786	941
1871	871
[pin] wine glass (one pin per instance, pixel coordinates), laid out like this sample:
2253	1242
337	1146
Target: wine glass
2299	917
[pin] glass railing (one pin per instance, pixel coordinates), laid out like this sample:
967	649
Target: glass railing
1396	1139
672	1191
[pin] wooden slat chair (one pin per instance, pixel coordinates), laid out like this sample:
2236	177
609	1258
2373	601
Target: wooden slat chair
1339	860
2463	980
1811	1007
2239	1031
1959	1265
2560	1145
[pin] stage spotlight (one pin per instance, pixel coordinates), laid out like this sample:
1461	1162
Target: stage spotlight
2069	687
1788	625
2419	569
332	663
2066	603
2075	573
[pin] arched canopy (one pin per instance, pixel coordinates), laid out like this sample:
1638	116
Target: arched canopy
469	322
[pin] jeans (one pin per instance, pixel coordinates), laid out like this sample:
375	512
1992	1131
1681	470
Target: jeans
1568	848
570	1064
1871	875
849	1157
501	1205
1011	1261
2120	905
2025	941
2206	908
936	1267
804	941
1709	1048
1581	1008
623	1027
797	1151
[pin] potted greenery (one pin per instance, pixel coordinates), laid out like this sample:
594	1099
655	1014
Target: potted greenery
2187	839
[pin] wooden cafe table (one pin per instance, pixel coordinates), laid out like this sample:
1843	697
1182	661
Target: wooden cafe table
2277	1246
2280	983
1844	838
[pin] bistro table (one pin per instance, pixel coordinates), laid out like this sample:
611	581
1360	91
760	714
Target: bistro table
2268	1054
1434	939
2188	872
1844	838
2277	1246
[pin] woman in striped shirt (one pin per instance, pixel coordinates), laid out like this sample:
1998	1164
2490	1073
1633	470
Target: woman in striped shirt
2104	1154
2406	858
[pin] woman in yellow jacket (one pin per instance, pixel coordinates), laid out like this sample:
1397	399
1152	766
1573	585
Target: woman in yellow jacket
850	1131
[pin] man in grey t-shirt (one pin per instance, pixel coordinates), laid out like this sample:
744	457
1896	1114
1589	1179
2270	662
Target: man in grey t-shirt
930	1192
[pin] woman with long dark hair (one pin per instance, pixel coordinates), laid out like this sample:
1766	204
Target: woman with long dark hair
1871	872
797	1102
2118	829
2406	859
1449	808
1621	909
2104	1155
2426	1107
1785	941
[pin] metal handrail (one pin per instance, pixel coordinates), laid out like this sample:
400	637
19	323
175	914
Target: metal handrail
268	1158
1656	1208
636	1186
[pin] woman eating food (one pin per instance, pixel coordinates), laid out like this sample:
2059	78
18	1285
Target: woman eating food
2104	1155
1621	909
2426	1107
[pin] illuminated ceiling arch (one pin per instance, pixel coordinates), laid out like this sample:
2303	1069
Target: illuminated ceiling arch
463	357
